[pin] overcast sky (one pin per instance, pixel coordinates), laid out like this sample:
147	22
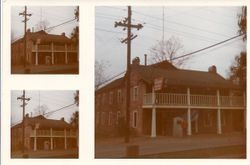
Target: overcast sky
52	99
53	15
196	27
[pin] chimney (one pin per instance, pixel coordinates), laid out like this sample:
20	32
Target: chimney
145	59
136	61
63	34
62	119
33	30
212	69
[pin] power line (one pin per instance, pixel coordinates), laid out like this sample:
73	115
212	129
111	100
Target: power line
52	27
51	112
219	43
109	31
208	47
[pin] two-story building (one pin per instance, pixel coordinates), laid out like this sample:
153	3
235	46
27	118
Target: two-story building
164	97
43	134
44	48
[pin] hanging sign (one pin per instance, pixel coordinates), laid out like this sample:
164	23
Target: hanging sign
158	83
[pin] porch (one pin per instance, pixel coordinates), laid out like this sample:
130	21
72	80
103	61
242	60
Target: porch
173	100
188	102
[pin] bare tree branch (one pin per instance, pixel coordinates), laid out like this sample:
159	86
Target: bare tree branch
168	50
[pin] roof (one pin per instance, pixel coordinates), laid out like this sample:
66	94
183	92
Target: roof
44	123
180	77
46	37
175	76
114	84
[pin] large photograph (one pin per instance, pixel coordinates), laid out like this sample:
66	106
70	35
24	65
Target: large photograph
170	82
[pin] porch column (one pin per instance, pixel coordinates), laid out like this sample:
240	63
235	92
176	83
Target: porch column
51	139
189	131
52	53
66	54
65	139
36	59
35	145
153	122
218	113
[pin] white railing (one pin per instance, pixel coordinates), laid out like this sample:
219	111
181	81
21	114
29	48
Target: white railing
47	133
172	99
59	48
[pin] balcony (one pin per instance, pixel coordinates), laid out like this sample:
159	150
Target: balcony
56	48
47	133
172	100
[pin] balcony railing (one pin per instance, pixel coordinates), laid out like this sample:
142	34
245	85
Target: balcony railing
48	48
172	99
47	133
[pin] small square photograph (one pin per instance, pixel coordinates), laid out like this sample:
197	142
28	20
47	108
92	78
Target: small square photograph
170	82
45	40
44	124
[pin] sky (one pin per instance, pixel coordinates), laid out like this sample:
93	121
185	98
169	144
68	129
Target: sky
195	27
53	15
52	99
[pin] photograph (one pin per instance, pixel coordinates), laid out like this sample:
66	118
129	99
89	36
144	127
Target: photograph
44	124
45	40
170	82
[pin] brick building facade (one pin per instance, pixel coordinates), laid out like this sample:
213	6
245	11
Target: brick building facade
44	48
205	101
44	134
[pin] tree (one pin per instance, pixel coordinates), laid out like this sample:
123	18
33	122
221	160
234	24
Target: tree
76	97
168	50
238	70
242	22
74	120
42	25
40	110
100	75
77	13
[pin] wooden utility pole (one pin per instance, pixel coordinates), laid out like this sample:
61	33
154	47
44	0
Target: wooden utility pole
126	23
23	99
24	14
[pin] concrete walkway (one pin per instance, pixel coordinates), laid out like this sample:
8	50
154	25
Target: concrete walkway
116	148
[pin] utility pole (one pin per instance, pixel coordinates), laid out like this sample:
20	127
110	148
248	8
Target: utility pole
24	14
23	99
163	24
126	23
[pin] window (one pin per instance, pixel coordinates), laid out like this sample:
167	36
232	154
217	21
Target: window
208	120
119	96
110	118
135	93
135	119
103	98
118	115
110	97
103	118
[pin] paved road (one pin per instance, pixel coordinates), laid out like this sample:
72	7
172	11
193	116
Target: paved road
73	153
47	69
116	148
